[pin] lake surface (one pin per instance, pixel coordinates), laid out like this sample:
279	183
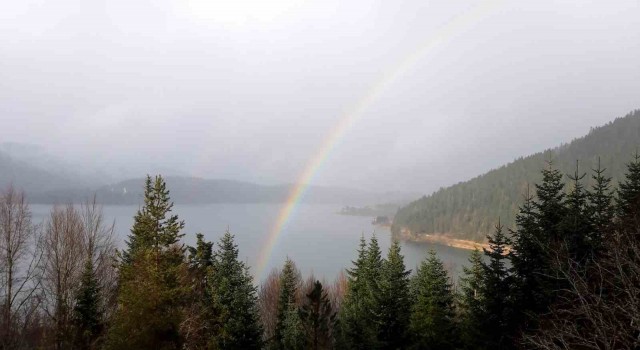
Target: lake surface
316	238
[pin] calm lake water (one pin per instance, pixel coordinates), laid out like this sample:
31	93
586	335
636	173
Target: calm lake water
316	238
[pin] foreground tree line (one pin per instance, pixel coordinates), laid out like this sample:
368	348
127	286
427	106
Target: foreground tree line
566	276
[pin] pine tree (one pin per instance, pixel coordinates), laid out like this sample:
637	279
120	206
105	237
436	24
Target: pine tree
628	200
317	318
472	313
200	262
373	276
432	313
293	337
530	264
354	317
153	287
87	311
289	280
576	225
394	300
550	206
601	210
496	294
234	300
154	227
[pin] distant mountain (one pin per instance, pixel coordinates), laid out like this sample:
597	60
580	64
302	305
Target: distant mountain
470	209
25	161
192	190
29	177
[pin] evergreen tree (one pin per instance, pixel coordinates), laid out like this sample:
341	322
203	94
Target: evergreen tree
234	300
87	310
289	281
601	210
152	296
354	318
576	225
153	287
550	206
394	301
530	264
293	337
200	261
472	313
373	276
153	225
432	314
317	318
496	293
628	200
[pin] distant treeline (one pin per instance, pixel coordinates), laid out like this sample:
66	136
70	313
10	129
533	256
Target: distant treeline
467	210
567	277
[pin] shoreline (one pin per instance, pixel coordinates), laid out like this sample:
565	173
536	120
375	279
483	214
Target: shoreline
441	239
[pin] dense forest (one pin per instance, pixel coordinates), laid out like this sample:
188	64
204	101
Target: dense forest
566	277
467	210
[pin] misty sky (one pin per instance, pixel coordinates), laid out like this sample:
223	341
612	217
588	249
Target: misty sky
250	89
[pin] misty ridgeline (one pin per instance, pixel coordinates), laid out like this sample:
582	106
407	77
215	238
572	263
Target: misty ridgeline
566	276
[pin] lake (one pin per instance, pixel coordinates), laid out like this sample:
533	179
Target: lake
317	238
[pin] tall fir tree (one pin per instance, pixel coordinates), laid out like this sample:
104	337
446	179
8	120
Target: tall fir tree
154	227
374	270
293	336
87	310
601	209
318	318
471	303
432	313
153	288
530	264
235	301
394	301
355	331
628	199
497	292
289	280
550	207
576	225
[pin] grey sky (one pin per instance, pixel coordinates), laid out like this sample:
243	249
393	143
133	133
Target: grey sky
249	89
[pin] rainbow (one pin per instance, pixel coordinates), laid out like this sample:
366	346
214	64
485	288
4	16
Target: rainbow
450	29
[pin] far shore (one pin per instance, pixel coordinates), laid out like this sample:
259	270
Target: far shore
441	239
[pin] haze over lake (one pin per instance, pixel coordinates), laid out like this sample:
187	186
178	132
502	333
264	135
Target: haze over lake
317	238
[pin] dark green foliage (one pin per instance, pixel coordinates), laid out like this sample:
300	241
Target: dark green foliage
317	318
432	313
87	311
354	328
576	225
601	210
152	296
629	191
496	293
530	263
550	205
153	226
153	278
394	301
234	300
466	209
471	305
287	307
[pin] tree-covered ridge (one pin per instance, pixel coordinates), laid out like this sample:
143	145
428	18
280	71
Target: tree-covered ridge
470	209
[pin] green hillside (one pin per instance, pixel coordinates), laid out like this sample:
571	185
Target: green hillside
470	209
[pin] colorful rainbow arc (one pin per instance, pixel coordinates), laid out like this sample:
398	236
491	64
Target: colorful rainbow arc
453	27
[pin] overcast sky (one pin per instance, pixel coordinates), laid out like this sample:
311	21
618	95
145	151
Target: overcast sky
250	89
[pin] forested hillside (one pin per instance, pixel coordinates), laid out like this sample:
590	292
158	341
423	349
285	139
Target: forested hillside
470	209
